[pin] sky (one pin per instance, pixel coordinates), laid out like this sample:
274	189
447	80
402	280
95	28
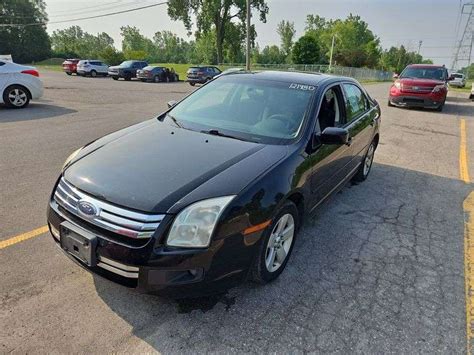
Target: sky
395	22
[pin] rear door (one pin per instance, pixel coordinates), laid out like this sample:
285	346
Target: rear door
359	120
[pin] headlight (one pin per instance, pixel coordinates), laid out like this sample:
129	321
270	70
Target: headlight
71	157
438	88
193	227
398	85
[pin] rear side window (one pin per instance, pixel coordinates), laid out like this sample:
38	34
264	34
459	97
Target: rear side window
356	102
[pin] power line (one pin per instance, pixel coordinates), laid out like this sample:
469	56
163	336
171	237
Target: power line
81	18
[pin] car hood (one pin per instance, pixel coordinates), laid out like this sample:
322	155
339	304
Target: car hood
420	82
155	167
115	67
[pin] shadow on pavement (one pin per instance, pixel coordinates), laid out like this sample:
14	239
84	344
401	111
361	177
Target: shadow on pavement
34	111
378	268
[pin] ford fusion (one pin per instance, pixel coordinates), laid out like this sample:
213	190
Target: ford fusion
213	191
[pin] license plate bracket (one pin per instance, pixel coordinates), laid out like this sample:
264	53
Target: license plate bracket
79	243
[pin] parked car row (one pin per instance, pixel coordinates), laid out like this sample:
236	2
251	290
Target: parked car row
127	70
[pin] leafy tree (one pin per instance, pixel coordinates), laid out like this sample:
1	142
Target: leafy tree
286	31
306	50
214	16
205	50
135	44
111	56
25	43
271	55
396	59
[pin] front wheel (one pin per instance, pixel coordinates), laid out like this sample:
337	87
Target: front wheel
68	73
276	245
16	96
192	84
93	73
115	77
156	79
366	165
440	107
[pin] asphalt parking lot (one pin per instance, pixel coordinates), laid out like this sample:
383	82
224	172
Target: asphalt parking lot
379	268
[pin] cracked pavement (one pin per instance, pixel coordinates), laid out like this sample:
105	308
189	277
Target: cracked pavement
378	268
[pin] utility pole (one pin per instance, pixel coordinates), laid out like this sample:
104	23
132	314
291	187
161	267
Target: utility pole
332	51
463	50
419	46
247	57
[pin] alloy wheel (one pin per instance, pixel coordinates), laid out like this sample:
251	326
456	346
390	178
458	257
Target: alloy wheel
18	97
369	158
279	243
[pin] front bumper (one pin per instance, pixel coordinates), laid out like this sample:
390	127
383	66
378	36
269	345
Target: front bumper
151	267
415	101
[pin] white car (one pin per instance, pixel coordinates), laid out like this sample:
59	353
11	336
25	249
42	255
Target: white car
19	84
92	68
459	80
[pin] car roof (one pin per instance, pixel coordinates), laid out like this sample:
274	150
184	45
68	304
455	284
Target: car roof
305	78
425	66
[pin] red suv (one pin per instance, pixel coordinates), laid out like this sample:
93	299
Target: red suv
70	66
420	85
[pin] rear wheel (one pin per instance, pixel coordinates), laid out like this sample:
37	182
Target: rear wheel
276	245
366	165
93	73
16	96
440	107
192	84
156	79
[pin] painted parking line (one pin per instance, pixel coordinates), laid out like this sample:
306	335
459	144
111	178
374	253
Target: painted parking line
25	236
463	157
468	206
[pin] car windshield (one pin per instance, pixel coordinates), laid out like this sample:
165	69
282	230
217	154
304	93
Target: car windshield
127	63
246	108
424	73
458	76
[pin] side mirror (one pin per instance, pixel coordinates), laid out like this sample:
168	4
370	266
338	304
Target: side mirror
395	76
172	103
335	135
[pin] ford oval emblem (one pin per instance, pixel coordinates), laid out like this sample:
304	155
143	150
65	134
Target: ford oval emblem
87	208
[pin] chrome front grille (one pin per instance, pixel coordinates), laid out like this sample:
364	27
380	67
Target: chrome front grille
112	218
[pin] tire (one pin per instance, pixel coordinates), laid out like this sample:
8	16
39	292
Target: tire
68	73
265	270
156	79
192	84
16	96
127	77
115	77
440	107
93	74
389	104
366	166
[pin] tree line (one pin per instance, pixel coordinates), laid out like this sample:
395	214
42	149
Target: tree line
219	37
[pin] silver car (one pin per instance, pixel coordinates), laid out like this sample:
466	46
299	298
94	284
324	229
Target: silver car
459	80
92	68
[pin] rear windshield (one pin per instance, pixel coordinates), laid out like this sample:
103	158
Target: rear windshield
459	76
251	109
424	73
194	69
127	63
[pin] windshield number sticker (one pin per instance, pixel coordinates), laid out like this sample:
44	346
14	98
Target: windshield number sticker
302	87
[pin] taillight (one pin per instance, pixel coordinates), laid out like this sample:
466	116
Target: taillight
31	72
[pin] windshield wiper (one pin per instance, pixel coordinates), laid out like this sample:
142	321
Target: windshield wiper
216	132
174	120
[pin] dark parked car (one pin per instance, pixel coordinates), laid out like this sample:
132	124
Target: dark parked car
127	70
157	74
214	190
201	75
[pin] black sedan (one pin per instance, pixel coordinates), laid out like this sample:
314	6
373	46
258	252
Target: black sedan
157	74
213	191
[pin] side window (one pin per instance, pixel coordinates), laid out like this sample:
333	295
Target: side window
356	102
330	110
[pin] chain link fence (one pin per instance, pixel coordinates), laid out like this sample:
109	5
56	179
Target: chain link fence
364	74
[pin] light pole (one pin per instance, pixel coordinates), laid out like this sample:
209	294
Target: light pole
332	51
247	56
